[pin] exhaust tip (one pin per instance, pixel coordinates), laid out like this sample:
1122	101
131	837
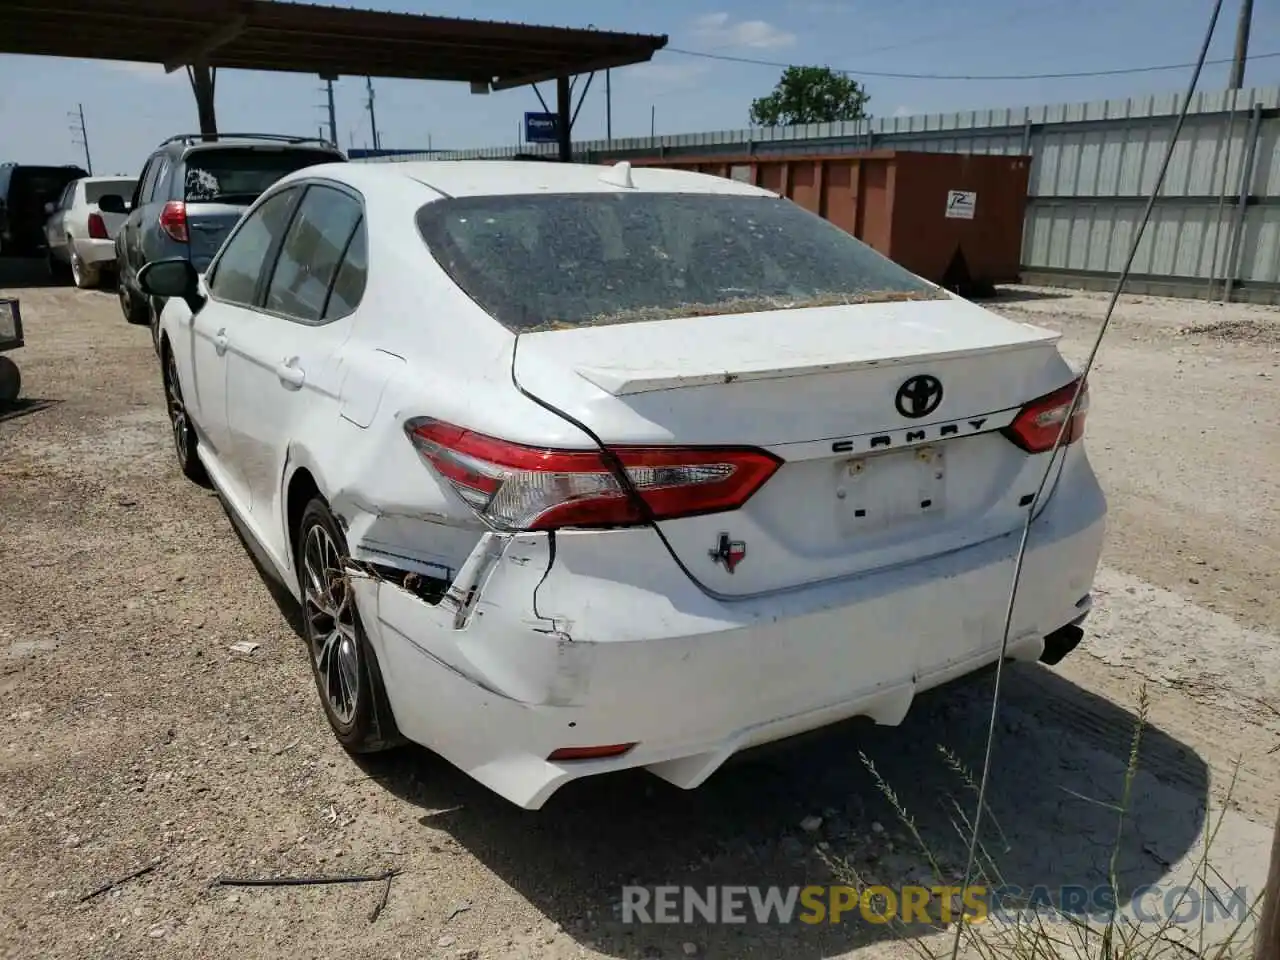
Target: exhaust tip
1060	643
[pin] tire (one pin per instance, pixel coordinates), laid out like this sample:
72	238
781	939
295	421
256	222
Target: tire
84	276
134	312
10	381
184	433
342	659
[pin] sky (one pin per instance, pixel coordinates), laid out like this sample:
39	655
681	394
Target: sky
129	108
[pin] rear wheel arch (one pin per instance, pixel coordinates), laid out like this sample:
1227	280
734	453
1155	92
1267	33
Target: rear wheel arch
301	489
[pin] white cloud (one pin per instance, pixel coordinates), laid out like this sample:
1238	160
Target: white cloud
905	112
669	77
721	30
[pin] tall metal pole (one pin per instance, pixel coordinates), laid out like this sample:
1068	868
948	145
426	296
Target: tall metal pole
608	107
202	84
653	120
1267	938
373	119
84	138
1242	45
333	116
564	119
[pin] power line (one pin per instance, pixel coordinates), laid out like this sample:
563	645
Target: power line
971	76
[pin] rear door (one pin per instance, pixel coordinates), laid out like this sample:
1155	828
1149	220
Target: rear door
129	242
220	183
207	338
55	227
284	367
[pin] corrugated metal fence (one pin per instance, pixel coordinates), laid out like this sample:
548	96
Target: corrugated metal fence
1217	219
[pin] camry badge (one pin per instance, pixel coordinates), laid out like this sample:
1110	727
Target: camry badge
728	552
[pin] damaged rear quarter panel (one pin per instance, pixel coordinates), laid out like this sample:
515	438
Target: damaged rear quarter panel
488	630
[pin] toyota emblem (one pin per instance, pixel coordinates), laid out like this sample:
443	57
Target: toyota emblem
919	396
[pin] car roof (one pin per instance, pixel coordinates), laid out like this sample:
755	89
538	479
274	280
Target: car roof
116	179
477	178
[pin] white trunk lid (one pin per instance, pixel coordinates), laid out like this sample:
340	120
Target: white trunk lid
863	485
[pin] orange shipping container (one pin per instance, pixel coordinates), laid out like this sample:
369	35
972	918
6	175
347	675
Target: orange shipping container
953	218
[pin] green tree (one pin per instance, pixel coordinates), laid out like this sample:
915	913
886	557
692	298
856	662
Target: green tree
810	95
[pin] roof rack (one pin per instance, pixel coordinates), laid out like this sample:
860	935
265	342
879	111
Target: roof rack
192	138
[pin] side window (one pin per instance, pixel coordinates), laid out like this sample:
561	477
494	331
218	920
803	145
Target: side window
156	191
348	285
145	182
68	196
311	253
246	254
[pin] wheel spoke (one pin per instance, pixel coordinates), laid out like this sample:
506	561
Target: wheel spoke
331	623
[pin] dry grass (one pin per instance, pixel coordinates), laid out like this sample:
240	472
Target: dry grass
1051	933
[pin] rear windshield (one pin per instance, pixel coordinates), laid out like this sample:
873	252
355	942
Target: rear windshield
571	260
239	176
93	192
45	182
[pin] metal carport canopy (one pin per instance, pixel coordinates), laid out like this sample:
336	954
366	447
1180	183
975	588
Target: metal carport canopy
308	38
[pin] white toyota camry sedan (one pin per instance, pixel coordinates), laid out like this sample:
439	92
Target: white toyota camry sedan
578	468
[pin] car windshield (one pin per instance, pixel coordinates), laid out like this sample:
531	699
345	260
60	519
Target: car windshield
541	262
239	176
96	190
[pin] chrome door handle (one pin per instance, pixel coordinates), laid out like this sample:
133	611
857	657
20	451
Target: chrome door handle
290	376
220	342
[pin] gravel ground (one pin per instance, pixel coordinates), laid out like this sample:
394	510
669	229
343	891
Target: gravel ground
134	735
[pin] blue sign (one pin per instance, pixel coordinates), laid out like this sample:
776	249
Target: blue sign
541	128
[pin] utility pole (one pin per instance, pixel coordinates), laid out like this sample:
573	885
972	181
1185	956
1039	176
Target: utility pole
373	119
84	137
333	116
1242	45
1267	938
608	107
653	120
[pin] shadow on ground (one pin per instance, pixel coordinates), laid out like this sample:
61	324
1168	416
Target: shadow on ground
23	407
27	272
1021	295
1061	758
1057	775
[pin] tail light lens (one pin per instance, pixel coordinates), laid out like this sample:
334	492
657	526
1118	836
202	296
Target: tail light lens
1035	429
173	220
97	229
515	487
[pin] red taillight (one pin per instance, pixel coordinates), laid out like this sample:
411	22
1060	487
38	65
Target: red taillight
97	229
590	753
173	220
515	487
1035	429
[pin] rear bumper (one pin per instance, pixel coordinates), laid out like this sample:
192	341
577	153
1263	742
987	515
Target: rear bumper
600	639
96	253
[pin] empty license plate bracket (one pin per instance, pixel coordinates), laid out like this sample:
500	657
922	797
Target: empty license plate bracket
889	489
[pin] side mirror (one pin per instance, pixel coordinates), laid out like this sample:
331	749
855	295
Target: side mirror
111	203
50	207
172	278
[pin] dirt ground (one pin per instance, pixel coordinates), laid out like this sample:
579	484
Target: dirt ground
133	735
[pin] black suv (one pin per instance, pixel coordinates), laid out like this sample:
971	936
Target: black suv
191	192
24	190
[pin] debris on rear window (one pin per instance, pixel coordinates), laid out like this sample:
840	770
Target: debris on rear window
551	262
